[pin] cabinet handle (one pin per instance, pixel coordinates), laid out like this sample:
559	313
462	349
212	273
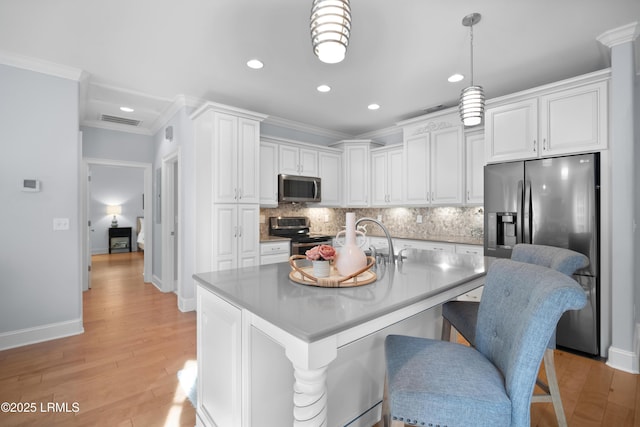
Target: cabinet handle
239	193
235	231
235	194
240	231
468	195
544	144
534	146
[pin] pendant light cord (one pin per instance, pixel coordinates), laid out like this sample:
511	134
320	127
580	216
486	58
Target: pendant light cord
471	31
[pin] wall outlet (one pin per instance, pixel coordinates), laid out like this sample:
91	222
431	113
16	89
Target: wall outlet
380	218
60	224
262	219
419	219
326	218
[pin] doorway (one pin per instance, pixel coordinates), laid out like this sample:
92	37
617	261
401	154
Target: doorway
147	216
171	235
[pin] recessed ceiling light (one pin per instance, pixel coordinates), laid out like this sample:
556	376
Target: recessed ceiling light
323	88
256	64
126	109
373	106
455	78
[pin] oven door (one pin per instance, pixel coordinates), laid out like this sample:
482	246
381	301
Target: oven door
299	248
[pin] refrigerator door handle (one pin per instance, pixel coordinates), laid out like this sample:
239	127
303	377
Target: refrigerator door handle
519	220
526	218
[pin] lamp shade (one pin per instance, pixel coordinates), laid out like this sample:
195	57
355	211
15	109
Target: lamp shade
114	210
471	105
330	29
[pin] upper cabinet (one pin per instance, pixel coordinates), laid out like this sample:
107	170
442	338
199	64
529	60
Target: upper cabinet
356	171
268	174
330	172
433	162
386	176
564	118
474	168
298	161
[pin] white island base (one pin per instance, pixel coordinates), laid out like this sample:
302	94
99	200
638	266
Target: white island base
319	360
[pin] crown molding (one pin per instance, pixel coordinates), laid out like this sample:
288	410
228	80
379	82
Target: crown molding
303	127
616	36
40	66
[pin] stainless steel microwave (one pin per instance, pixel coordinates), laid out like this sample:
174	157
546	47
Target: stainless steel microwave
295	188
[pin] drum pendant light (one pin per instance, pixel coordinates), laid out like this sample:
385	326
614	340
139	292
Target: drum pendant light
472	98
330	29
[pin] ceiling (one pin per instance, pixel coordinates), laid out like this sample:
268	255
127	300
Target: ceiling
147	53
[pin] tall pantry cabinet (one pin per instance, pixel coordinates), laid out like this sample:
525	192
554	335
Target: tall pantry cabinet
227	147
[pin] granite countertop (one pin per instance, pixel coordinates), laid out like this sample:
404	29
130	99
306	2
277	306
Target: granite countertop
461	240
313	313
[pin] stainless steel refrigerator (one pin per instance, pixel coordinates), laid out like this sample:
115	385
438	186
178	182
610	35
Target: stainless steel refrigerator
554	202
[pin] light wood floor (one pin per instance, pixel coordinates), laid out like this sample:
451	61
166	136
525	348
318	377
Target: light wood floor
121	371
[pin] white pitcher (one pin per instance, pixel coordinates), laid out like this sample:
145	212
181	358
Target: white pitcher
351	257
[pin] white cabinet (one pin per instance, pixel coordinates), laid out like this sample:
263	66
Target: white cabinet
386	176
268	174
227	197
446	162
298	161
237	236
356	171
274	252
330	172
433	171
574	120
474	168
511	131
236	145
569	117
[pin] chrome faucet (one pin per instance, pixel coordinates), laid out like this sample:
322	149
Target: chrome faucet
392	258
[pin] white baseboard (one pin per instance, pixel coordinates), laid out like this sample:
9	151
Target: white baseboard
186	304
624	360
42	333
157	282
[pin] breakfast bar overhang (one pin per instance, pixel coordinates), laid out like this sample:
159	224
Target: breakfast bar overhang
250	318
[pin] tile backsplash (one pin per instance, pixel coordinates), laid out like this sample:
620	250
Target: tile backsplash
458	223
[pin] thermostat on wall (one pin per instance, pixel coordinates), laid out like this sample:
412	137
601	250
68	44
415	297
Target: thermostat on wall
32	185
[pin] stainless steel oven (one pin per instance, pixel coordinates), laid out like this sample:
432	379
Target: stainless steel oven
299	248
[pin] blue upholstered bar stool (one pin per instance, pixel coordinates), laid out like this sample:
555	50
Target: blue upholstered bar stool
462	314
441	383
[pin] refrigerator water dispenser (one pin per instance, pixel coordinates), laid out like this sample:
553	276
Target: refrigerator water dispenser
502	229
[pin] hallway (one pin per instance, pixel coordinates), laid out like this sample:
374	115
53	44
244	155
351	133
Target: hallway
120	372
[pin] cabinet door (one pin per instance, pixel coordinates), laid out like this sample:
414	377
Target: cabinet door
356	172
446	166
248	165
248	235
268	174
511	131
225	158
574	120
379	179
288	160
225	237
308	161
330	171
416	170
395	185
474	150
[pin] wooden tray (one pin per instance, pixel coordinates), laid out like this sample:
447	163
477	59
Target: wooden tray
304	275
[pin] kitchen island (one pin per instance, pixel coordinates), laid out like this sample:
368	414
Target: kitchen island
272	352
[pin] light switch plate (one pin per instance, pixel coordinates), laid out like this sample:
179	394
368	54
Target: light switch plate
60	224
419	219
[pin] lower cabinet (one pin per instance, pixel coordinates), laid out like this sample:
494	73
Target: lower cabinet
274	252
236	236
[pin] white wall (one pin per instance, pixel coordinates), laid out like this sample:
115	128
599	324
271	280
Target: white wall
40	280
113	185
183	141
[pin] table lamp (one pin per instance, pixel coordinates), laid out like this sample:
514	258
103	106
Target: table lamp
114	210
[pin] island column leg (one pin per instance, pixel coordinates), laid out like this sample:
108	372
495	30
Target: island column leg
310	362
310	397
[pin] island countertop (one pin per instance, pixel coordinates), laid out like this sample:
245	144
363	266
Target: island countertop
313	313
